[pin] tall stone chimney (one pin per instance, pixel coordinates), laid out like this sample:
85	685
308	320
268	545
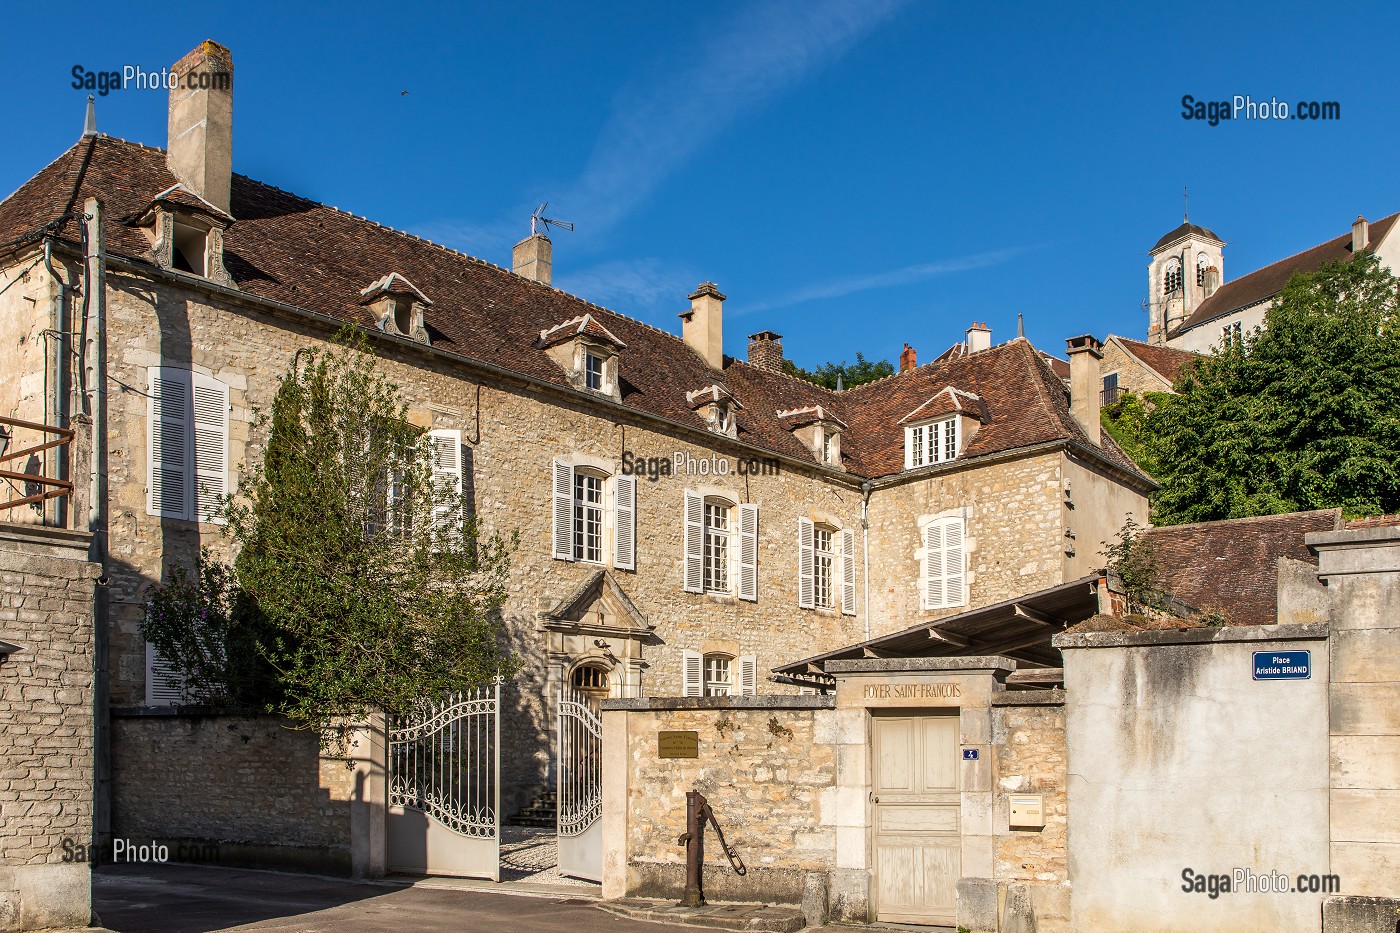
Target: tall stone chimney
766	351
1360	235
979	338
908	359
533	258
1084	383
200	149
702	326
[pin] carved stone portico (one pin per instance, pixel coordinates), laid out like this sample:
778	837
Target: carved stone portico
597	627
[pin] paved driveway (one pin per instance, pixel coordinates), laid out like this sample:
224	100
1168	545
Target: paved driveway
193	899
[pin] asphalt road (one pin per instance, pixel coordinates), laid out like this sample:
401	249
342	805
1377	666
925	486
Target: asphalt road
195	899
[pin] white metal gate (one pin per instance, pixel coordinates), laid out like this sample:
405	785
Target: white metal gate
445	787
580	791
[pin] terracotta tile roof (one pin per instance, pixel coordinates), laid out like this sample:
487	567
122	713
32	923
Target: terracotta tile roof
1166	361
1267	282
305	254
1233	564
1373	521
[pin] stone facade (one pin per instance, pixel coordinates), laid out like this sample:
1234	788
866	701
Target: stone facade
46	728
1133	375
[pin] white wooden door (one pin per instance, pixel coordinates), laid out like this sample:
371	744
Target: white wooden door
917	845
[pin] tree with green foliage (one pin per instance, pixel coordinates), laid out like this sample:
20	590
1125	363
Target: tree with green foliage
1133	559
1304	414
850	374
361	581
1126	421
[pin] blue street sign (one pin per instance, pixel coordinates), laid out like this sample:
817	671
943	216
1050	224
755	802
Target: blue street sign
1282	665
969	754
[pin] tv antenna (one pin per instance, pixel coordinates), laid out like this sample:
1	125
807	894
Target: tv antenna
538	220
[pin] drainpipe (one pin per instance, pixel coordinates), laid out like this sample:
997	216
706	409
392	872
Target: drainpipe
865	547
56	389
95	365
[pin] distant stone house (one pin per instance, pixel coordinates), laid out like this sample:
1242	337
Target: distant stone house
688	521
1137	367
1192	307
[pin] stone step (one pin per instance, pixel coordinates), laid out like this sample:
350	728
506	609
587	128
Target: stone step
759	917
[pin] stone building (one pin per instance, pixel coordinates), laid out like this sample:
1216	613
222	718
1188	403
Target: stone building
1137	367
688	521
1192	307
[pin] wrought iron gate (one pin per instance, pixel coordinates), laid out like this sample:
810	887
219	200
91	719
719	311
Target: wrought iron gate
580	792
445	787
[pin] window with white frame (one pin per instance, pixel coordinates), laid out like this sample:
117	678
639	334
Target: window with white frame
715	674
945	563
720	547
716	579
1232	334
822	563
583	520
594	371
588	517
934	442
187	444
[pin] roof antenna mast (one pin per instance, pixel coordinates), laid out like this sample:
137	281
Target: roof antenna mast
538	220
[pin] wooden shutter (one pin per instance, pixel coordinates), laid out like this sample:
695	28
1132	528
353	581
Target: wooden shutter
625	523
694	542
168	442
748	552
909	448
692	674
848	572
164	685
746	684
563	510
806	556
211	410
954	562
933	565
446	448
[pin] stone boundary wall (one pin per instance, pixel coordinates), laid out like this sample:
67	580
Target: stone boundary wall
231	790
46	727
768	768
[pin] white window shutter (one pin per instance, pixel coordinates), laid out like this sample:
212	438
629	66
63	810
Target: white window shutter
563	510
747	682
211	409
625	523
694	542
164	685
446	448
168	442
748	552
692	682
909	448
933	566
848	572
954	558
806	587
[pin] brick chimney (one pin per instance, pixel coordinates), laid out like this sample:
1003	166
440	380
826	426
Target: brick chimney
1360	235
1084	384
979	338
766	351
533	258
200	147
702	326
907	358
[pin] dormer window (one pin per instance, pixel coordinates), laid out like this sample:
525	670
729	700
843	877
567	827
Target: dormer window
818	430
587	352
934	442
186	234
717	407
398	307
594	370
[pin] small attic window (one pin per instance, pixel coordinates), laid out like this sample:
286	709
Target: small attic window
190	249
594	370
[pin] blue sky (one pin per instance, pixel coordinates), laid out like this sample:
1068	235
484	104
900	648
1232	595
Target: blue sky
853	175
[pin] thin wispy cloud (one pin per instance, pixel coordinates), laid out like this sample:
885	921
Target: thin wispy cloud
852	284
680	105
663	119
631	284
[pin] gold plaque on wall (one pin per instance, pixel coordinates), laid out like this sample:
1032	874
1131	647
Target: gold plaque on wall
678	744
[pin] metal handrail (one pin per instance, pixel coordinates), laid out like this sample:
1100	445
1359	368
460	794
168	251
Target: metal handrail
51	487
